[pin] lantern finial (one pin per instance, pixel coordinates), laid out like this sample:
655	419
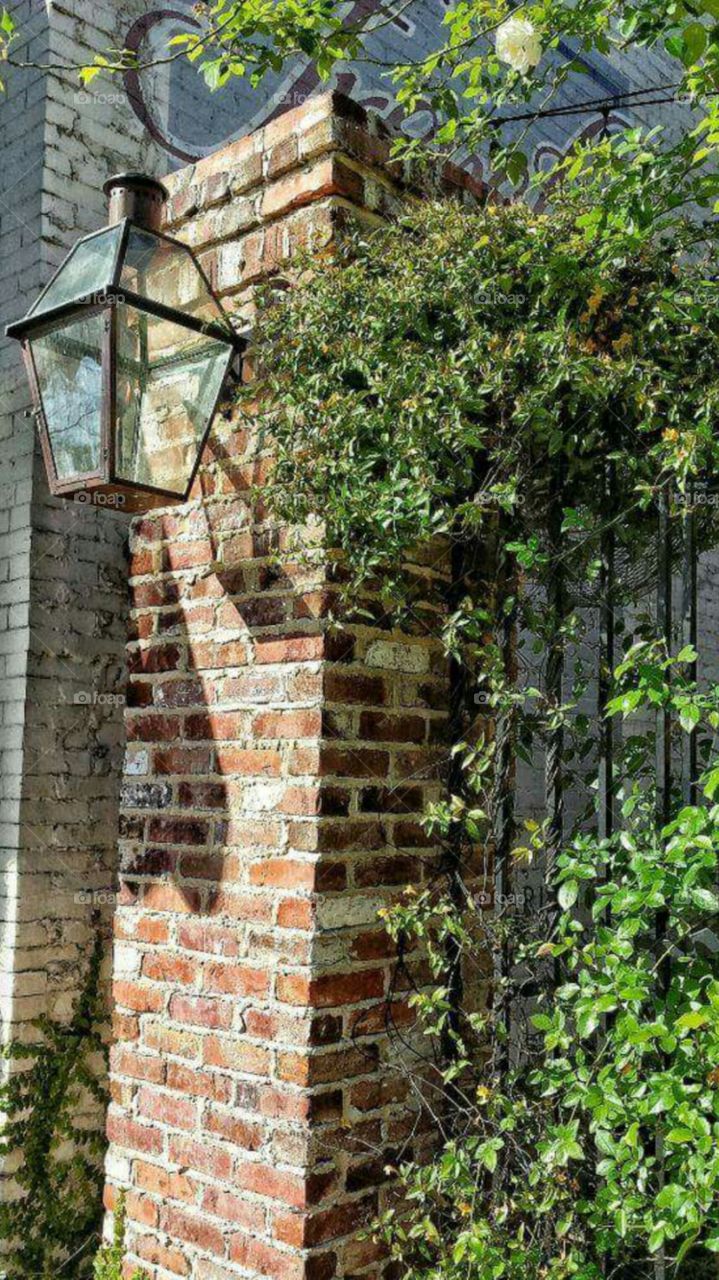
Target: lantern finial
135	196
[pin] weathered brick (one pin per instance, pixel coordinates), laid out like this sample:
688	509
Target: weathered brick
176	1113
274	807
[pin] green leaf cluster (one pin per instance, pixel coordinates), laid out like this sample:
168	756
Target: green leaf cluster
52	1085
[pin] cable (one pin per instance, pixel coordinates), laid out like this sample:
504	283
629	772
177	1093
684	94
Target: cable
601	106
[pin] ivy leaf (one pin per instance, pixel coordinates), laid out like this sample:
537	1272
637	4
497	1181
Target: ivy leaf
705	899
656	1239
689	717
692	1020
695	42
568	894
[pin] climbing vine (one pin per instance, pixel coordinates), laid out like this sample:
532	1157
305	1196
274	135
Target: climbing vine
536	401
109	1262
52	1096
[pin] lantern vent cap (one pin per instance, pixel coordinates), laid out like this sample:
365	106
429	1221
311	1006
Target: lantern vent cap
136	196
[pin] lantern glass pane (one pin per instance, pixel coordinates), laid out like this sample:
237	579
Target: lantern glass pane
168	381
165	271
68	364
86	270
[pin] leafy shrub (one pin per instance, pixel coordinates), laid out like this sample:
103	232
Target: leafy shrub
516	384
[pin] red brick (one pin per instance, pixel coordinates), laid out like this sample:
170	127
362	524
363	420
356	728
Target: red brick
262	1259
200	1156
351	687
176	1113
336	836
135	1137
142	561
138	996
156	658
381	727
187	555
170	897
197	1231
206	937
163	1182
252	686
283	156
228	653
289	1228
245	833
300	801
124	1027
216	725
241	906
345	762
163	1039
295	913
300	648
235	1129
183	693
287	724
283	873
200	1011
202	864
169	1257
339	1220
252	762
152	728
331	989
235	1055
163	967
387	871
235	979
182	760
202	795
142	1209
242	1212
276	1184
178	831
198	1084
136	1066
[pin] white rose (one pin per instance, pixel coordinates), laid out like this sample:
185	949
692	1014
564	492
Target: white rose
518	44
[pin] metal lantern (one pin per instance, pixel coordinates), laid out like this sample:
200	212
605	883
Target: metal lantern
127	350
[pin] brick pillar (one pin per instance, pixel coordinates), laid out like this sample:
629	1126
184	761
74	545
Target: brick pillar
275	774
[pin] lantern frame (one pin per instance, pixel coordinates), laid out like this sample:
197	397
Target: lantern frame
104	479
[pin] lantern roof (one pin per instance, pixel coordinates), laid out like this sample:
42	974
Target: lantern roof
127	351
129	263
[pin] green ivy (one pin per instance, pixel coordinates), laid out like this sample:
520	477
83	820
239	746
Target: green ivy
471	379
110	1258
50	1230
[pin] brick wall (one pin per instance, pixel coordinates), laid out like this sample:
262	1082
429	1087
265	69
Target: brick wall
63	567
275	773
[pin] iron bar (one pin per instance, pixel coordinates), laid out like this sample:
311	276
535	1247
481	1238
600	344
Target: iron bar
607	659
689	632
